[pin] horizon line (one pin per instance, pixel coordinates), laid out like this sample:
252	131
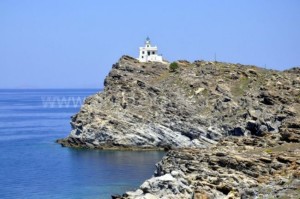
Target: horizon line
48	88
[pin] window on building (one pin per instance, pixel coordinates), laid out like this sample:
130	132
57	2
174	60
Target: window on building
153	52
143	52
147	45
142	57
148	52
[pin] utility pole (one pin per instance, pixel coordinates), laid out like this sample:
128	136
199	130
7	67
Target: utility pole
215	57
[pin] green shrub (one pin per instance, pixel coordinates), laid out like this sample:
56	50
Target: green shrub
173	67
268	151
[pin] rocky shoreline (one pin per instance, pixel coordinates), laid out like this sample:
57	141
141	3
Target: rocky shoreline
77	143
234	168
232	130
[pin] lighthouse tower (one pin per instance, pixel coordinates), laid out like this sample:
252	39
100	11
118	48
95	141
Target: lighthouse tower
149	53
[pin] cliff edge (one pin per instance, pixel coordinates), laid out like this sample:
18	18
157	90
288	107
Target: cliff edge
234	129
145	106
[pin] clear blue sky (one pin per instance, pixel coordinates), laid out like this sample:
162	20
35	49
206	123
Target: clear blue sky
73	43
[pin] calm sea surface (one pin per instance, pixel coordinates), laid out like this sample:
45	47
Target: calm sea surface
33	166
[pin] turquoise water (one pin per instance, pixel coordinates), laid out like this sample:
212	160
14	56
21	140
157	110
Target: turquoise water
33	166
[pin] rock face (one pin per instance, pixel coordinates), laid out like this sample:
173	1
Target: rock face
244	167
145	106
232	131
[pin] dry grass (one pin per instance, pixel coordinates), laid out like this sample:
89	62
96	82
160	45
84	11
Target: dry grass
240	87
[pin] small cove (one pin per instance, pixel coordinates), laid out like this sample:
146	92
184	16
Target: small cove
33	166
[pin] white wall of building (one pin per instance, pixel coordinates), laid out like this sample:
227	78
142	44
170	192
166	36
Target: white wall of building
149	53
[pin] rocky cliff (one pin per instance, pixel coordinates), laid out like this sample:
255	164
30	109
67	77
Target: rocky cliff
146	106
234	129
236	167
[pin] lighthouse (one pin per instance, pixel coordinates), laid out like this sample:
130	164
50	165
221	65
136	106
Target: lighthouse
148	53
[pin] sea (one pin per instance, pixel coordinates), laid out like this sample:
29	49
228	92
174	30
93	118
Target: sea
33	166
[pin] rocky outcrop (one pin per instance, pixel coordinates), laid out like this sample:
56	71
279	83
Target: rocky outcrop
145	106
232	130
244	167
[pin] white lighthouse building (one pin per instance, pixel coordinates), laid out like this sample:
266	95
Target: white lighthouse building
149	53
